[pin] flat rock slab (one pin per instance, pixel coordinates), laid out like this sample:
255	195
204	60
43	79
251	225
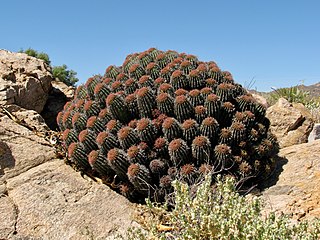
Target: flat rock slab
20	149
54	202
297	191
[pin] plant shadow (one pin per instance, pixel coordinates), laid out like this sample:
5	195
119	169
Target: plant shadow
274	176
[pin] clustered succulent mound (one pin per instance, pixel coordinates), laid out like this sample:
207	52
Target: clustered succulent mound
162	116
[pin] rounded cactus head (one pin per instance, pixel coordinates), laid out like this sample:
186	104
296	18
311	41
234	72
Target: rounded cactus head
163	115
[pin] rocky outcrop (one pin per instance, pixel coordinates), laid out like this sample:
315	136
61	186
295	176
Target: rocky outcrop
24	80
290	122
297	189
58	96
43	198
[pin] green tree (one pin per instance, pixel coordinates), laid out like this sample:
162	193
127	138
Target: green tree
65	75
61	72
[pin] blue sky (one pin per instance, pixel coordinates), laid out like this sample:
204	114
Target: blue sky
273	43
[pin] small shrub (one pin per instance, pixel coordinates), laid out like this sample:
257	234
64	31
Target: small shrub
218	213
294	94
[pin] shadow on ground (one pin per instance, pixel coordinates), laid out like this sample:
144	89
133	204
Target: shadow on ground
274	177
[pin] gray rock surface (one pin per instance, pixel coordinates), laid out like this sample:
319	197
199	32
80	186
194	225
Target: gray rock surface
297	191
290	122
24	80
43	198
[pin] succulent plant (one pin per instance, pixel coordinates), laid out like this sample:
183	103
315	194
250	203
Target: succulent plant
164	115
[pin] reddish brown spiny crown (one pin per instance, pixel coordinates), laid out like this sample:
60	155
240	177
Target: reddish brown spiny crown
209	121
133	151
133	68
151	65
121	77
101	137
176	74
180	91
142	91
238	126
181	99
212	97
91	121
110	98
93	156
83	135
133	170
143	124
159	143
71	149
187	124
144	79
124	132
223	148
175	144
194	93
167	123
162	97
206	90
185	64
200	141
111	124
200	109
187	169
194	73
112	154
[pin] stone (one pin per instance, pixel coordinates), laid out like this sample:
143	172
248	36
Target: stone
296	190
315	133
21	149
24	80
290	122
58	96
55	201
29	118
43	198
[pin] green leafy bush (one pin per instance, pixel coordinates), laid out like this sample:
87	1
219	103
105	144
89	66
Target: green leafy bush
218	213
33	53
60	72
65	75
292	94
162	116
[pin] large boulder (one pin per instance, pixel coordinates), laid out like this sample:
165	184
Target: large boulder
24	80
43	198
58	96
296	191
290	122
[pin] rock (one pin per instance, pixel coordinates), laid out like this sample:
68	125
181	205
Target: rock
315	133
290	122
297	189
43	198
30	118
21	149
55	201
58	96
24	80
